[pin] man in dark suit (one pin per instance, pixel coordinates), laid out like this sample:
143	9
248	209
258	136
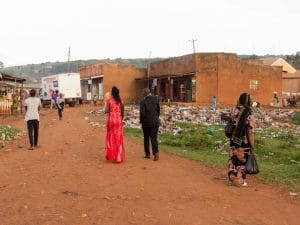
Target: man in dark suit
149	118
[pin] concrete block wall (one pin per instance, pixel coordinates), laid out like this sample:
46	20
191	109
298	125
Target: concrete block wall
91	70
173	66
123	77
206	78
234	78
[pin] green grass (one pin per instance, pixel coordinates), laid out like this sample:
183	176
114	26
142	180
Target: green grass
296	118
278	152
7	132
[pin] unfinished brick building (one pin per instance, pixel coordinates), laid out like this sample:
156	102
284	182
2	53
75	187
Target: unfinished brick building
199	77
98	79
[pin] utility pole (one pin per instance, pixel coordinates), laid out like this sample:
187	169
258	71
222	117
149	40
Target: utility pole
194	94
69	60
193	41
148	70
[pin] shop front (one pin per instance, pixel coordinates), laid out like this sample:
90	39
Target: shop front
11	89
172	88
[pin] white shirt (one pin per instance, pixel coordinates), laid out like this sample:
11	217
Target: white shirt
33	104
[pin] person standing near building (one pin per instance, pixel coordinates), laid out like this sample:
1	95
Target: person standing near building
52	95
16	102
24	97
95	100
149	118
32	107
214	103
60	104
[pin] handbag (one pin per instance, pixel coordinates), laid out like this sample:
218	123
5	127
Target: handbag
228	129
251	165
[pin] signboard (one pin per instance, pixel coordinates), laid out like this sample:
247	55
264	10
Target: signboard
89	81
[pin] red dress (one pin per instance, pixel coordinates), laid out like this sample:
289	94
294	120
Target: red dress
114	133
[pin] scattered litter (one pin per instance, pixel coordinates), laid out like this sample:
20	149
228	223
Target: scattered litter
294	161
211	131
279	119
294	194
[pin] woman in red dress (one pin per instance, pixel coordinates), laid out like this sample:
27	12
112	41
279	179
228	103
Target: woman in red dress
114	129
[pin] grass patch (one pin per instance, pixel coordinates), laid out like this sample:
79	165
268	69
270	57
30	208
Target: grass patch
278	152
7	133
296	118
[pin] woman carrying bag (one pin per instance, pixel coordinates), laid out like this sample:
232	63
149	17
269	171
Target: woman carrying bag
241	141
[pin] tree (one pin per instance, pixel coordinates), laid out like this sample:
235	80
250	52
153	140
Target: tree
1	65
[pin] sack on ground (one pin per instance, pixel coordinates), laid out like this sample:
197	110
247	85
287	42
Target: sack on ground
251	165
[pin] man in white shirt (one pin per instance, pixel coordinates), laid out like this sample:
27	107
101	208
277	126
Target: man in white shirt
32	107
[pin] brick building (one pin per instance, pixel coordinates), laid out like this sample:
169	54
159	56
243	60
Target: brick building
98	79
198	77
290	77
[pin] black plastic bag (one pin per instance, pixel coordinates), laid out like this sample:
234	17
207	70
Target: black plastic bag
228	129
251	165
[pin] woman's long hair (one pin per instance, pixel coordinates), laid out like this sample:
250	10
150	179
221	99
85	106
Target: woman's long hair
244	106
116	95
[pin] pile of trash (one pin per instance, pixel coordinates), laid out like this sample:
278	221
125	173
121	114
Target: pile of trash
171	115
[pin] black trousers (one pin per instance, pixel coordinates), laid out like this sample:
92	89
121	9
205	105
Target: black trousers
60	110
150	132
33	132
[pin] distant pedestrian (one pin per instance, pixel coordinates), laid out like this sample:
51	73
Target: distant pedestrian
60	104
95	100
214	103
276	99
32	107
149	118
24	97
16	102
115	151
52	95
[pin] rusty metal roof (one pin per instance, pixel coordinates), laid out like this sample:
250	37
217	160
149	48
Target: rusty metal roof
6	77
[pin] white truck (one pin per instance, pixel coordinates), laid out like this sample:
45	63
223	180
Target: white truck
66	83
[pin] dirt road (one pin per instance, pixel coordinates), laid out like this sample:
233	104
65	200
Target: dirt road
67	181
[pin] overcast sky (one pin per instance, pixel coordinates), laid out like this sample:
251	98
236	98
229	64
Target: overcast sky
35	31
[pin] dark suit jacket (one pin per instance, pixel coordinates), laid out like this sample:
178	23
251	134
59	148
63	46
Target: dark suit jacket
149	112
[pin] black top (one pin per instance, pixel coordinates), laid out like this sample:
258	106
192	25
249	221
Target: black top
149	112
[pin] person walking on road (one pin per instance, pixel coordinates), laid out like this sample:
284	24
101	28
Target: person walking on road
60	104
32	107
242	140
115	151
52	95
149	118
214	103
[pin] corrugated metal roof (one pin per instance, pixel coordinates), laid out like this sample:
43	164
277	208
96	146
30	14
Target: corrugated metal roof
7	77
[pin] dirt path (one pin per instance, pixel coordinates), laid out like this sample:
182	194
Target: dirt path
67	181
